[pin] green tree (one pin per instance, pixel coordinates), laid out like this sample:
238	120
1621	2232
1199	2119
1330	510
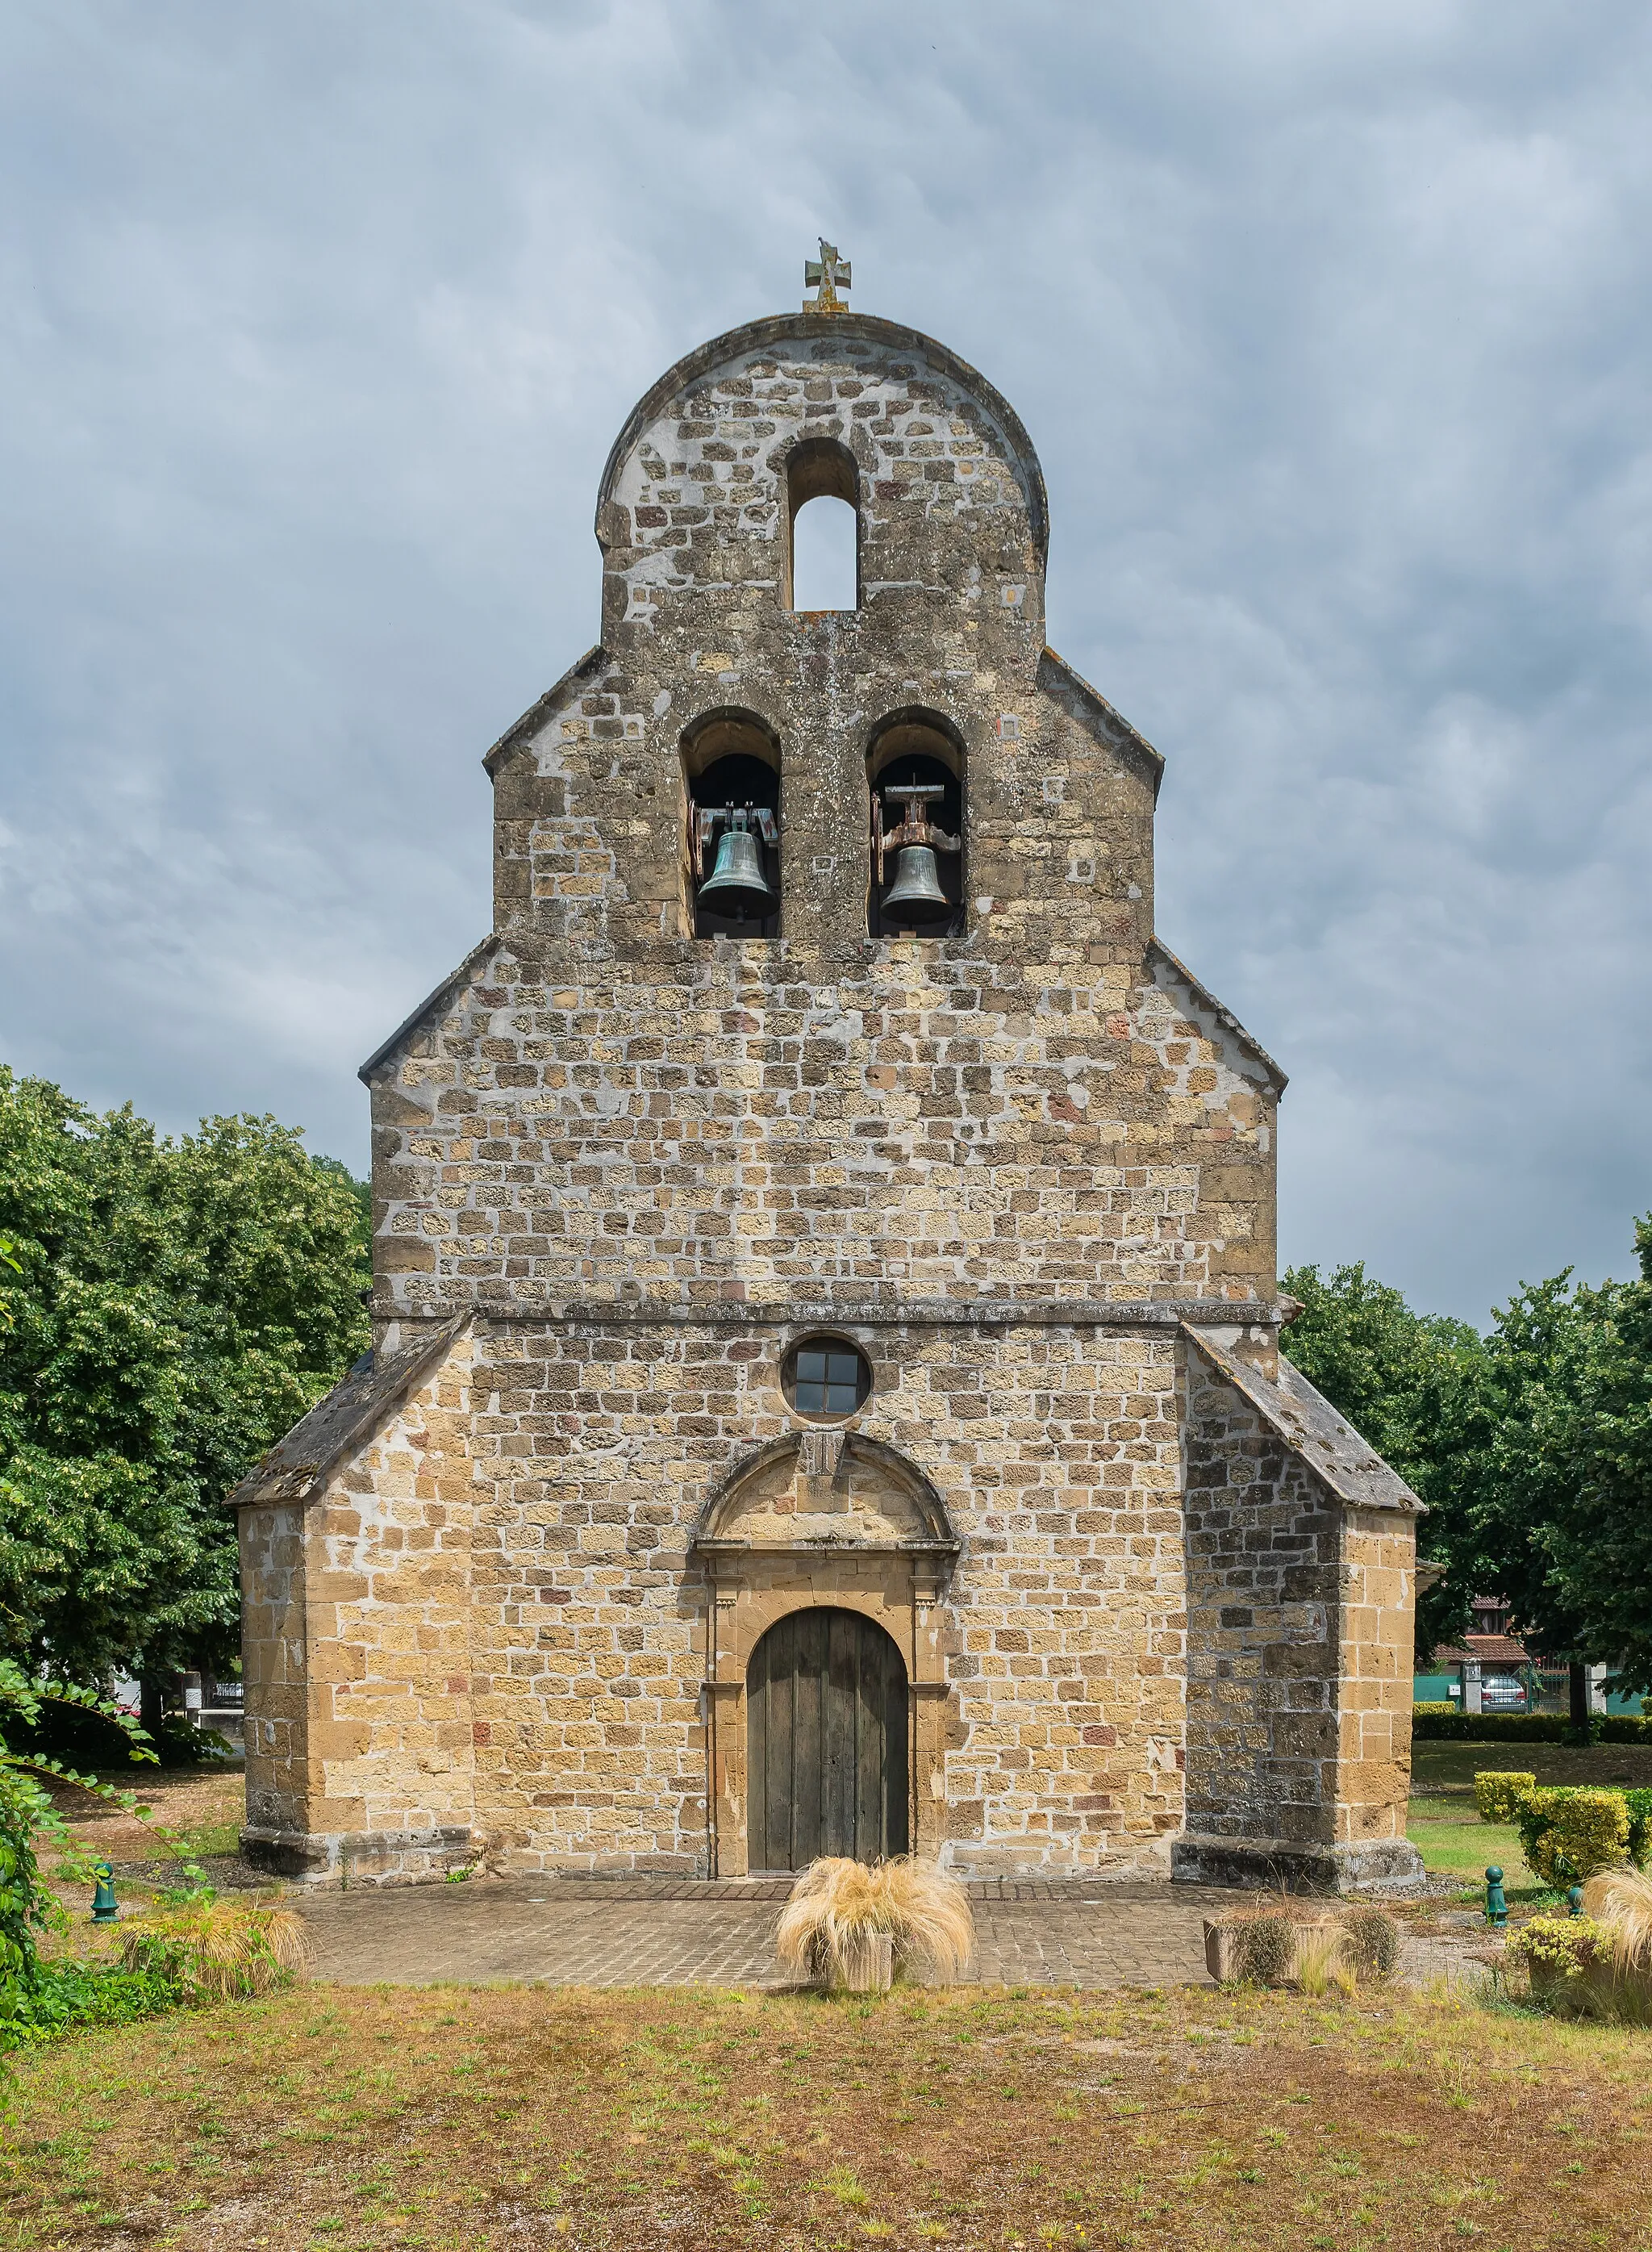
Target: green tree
1532	1446
1565	1503
177	1306
1414	1387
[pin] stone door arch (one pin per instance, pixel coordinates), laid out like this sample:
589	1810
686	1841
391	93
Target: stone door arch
826	1718
833	1523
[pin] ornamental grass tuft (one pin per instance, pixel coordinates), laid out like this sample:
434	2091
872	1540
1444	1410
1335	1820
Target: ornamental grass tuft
212	1950
840	1909
1621	1901
1322	1964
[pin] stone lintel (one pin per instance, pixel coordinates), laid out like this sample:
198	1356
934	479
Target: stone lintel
813	1551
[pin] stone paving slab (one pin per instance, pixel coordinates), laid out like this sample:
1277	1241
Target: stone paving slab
649	1932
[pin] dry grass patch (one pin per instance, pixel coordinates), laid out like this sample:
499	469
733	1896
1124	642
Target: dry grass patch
205	1807
507	2118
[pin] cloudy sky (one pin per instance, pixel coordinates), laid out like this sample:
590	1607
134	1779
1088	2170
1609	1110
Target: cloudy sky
1330	320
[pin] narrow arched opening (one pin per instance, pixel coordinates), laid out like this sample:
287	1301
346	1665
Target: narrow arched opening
823	560
826	1706
915	788
731	826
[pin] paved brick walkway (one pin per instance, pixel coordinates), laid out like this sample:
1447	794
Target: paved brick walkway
655	1932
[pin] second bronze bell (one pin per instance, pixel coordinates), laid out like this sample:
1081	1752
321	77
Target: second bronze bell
737	885
915	895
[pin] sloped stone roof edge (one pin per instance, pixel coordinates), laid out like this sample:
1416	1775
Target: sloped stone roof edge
1220	1010
432	1002
1114	725
538	711
356	1408
1305	1421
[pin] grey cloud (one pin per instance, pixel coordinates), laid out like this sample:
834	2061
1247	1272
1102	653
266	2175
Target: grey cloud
1330	325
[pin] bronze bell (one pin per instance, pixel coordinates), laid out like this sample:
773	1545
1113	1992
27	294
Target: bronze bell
915	895
736	885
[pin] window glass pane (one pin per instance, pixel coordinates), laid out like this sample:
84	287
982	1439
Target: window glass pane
827	1380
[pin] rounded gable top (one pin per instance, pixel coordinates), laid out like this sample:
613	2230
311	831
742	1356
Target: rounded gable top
777	330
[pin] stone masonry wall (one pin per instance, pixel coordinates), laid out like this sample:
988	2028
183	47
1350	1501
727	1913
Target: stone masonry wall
535	1682
275	1641
1262	1553
359	1641
1374	1696
1055	1451
601	1107
1299	1653
726	1121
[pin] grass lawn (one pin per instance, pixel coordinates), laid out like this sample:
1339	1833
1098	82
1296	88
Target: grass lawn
468	2118
1452	1766
203	1808
1454	1842
1441	1821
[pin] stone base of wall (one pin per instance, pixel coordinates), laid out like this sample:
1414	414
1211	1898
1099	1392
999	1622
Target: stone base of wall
1030	1859
1392	1865
383	1857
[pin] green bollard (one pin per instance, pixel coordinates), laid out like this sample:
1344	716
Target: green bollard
105	1908
1574	1901
1497	1905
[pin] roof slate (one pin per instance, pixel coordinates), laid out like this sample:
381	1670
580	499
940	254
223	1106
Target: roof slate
1313	1429
356	1408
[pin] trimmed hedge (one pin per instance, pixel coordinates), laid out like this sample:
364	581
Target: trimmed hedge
1441	1724
1498	1792
1567	1831
1567	1834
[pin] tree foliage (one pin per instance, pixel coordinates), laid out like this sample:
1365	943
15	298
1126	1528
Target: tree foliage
1412	1386
1532	1446
1566	1502
172	1307
29	1817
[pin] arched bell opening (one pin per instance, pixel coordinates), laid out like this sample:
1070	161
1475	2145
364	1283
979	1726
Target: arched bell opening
822	553
915	785
731	831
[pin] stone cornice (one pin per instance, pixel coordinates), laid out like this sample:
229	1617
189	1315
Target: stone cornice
1166	1314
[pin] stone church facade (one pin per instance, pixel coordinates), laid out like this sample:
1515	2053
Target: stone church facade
826	1390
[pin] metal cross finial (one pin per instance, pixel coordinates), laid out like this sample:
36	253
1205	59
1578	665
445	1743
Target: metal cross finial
827	274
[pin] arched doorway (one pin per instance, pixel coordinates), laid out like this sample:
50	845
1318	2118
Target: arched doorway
826	1740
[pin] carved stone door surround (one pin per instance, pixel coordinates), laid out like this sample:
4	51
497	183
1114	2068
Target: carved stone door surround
820	1518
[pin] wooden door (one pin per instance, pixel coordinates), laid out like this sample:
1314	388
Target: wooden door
826	1742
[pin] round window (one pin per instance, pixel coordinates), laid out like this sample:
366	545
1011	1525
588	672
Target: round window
825	1376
